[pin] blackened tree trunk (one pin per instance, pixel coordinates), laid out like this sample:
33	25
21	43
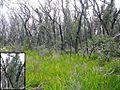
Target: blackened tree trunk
79	28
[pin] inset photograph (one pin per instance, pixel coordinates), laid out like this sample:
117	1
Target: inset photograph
12	70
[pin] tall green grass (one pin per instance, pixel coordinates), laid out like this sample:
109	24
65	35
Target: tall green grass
56	71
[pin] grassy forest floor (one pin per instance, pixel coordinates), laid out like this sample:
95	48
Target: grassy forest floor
55	71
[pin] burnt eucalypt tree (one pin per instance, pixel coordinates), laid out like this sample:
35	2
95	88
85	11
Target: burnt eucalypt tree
12	70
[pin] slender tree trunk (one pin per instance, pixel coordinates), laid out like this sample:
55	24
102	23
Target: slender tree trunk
61	35
79	30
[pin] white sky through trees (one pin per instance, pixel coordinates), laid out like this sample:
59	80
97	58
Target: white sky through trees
9	6
34	3
21	55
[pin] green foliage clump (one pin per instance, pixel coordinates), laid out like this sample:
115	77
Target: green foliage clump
105	47
26	44
13	68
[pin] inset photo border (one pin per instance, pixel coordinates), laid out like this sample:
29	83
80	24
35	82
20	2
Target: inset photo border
12	70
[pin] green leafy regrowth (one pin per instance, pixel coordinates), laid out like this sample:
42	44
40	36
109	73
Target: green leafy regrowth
105	47
13	68
56	71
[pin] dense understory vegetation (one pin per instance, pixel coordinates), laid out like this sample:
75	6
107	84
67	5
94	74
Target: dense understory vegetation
60	71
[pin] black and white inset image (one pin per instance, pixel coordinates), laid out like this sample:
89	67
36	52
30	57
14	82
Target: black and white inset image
12	70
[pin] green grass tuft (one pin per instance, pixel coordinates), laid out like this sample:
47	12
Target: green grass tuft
57	71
